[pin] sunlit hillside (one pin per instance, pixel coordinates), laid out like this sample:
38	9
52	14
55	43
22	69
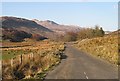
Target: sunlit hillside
104	47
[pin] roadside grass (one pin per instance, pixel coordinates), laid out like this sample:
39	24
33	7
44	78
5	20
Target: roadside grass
103	47
30	61
9	54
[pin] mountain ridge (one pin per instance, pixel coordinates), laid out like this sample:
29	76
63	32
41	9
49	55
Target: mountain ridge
15	22
58	28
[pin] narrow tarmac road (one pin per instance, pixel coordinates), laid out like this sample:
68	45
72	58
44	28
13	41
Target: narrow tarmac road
79	65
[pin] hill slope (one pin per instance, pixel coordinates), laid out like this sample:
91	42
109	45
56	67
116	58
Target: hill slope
60	29
104	47
23	24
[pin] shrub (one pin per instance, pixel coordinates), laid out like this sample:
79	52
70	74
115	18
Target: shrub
90	33
38	37
70	36
15	35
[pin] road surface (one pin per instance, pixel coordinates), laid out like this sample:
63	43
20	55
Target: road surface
79	65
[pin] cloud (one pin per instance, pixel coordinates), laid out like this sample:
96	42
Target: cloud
115	6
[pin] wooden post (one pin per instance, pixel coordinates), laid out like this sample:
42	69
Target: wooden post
0	67
32	56
11	62
21	59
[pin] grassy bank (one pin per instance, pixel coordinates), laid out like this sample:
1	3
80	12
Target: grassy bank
104	47
30	59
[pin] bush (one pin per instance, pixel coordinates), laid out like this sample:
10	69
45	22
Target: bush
90	33
15	35
70	36
38	37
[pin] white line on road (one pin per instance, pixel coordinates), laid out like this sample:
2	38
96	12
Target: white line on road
85	75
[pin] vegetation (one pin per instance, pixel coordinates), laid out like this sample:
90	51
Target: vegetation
70	36
83	34
38	37
19	36
30	61
104	47
24	56
90	33
14	35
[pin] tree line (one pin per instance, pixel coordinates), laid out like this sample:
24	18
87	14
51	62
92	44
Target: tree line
14	35
84	33
18	36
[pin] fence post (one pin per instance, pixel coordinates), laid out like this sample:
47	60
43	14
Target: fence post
11	62
21	59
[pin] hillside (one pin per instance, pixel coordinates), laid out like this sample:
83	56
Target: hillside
104	47
49	29
115	32
58	28
23	25
14	35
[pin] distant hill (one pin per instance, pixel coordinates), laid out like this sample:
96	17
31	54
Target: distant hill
22	24
48	29
107	32
61	29
115	32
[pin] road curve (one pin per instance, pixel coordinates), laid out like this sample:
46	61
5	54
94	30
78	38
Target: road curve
79	65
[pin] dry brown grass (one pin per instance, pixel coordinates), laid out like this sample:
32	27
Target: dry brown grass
104	47
36	58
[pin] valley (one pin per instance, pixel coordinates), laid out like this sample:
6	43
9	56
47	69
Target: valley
36	49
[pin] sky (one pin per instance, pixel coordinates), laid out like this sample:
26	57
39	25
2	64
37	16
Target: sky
60	0
85	14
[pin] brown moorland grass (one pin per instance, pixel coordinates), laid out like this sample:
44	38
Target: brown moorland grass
104	47
30	61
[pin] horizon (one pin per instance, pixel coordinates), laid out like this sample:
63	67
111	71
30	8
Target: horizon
91	14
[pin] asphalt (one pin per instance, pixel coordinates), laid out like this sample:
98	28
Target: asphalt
79	65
